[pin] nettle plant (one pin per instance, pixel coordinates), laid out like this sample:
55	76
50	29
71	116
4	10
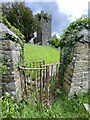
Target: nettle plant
9	107
68	40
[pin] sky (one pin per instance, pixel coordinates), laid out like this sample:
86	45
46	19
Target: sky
63	11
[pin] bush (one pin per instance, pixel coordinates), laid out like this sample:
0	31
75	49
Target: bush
55	42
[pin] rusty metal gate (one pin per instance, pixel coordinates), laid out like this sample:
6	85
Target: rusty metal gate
39	84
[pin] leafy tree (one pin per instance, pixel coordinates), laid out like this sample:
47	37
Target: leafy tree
55	42
21	17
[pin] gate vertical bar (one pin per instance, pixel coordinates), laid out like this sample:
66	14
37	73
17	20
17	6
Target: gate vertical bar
47	79
41	84
20	71
31	86
36	83
25	84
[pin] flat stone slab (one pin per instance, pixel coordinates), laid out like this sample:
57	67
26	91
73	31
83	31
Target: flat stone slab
87	107
4	30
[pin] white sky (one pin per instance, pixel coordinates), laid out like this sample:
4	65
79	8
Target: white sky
74	8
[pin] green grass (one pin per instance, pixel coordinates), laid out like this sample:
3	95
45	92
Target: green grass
64	107
37	52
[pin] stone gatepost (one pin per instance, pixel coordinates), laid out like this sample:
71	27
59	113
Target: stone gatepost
77	75
80	78
10	55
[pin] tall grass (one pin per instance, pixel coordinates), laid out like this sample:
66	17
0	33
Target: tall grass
37	52
64	107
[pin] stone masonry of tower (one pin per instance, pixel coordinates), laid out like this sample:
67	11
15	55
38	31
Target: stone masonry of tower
44	33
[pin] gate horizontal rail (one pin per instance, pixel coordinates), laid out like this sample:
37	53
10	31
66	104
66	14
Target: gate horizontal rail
23	68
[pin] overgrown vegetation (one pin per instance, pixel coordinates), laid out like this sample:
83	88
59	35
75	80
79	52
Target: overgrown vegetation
69	38
38	16
19	38
37	52
64	107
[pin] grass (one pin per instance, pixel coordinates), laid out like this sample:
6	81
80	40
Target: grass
64	107
37	52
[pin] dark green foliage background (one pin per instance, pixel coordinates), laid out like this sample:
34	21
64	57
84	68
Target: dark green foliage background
20	17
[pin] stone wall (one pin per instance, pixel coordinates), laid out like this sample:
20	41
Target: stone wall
10	57
77	76
68	77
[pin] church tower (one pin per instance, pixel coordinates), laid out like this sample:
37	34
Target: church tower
45	29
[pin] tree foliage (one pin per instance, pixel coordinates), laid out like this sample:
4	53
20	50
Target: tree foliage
20	17
55	42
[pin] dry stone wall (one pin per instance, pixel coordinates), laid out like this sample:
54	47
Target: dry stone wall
10	57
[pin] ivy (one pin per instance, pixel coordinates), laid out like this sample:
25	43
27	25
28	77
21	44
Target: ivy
19	39
2	69
12	28
68	40
39	16
45	17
